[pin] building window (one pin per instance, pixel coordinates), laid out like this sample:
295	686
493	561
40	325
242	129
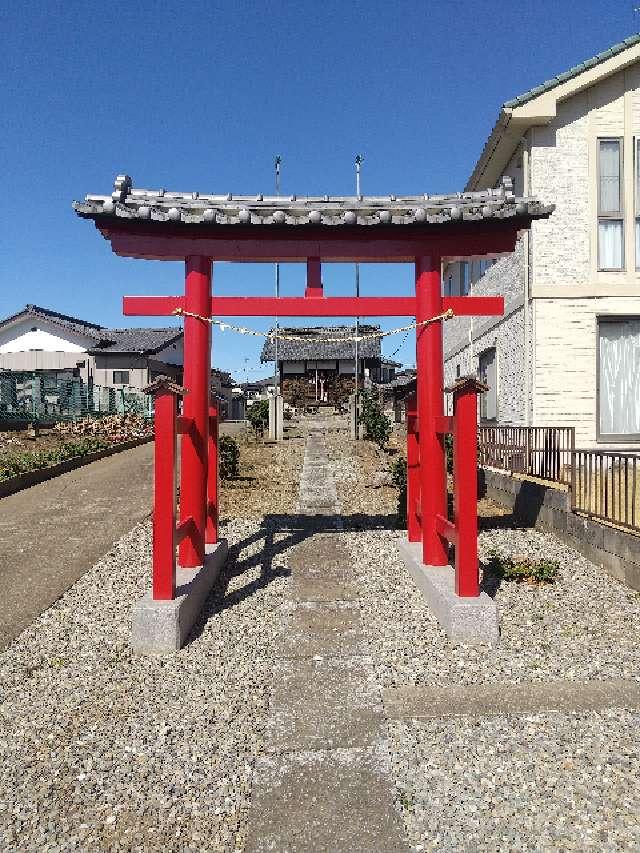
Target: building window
120	377
465	278
618	379
489	375
610	206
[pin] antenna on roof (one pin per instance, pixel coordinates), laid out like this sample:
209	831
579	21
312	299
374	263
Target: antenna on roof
277	164
359	162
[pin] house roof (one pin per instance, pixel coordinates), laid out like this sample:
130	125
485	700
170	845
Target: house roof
313	347
140	340
573	72
538	106
63	321
146	341
208	212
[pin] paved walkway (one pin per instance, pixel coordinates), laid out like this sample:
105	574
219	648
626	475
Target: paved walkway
52	533
325	782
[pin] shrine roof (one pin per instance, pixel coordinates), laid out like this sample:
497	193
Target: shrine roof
127	202
313	347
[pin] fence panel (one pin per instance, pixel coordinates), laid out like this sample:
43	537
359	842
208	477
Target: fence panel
35	398
606	486
542	452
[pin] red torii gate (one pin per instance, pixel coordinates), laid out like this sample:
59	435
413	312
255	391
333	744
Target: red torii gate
199	229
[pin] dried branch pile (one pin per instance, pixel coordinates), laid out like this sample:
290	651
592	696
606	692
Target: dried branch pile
114	428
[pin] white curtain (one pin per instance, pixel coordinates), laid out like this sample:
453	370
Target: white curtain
610	244
610	177
620	377
638	242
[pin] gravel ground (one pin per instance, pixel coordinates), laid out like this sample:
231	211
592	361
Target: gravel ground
581	627
101	750
545	782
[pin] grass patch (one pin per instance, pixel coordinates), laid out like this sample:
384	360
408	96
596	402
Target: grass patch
522	569
24	462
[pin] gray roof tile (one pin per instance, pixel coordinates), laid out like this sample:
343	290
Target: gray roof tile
141	340
314	348
210	211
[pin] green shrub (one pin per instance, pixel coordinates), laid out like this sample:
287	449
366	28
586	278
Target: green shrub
376	424
258	415
398	470
22	463
229	457
521	569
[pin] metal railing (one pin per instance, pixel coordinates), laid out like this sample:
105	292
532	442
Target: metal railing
39	398
542	452
606	485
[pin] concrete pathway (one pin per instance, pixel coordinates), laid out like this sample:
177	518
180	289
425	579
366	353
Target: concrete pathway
52	533
325	782
318	495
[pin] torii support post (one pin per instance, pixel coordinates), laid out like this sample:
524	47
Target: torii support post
165	393
465	477
430	390
197	370
211	536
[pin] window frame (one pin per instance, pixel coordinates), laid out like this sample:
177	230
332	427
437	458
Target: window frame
120	372
636	198
482	402
618	216
605	437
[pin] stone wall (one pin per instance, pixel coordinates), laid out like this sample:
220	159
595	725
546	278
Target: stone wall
536	505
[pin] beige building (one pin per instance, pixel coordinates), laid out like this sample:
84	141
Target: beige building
567	351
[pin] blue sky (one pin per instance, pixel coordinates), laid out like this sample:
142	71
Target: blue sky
203	95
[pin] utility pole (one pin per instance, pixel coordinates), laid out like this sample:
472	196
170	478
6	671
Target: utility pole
359	161
278	161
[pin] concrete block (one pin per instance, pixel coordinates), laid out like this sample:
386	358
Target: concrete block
616	541
614	566
473	621
162	627
632	576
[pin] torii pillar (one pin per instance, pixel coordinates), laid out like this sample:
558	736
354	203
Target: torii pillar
197	378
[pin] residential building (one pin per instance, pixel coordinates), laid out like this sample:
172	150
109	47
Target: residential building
56	346
229	396
567	351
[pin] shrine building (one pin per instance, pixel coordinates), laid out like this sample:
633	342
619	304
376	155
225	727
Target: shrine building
317	364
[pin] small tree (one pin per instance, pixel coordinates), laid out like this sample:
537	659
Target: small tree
376	424
258	415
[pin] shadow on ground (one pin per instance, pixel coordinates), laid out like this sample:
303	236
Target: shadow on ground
278	533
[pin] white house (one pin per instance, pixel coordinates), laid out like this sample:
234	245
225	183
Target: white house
38	340
567	351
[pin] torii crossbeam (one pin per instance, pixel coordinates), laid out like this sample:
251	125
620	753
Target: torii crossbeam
201	229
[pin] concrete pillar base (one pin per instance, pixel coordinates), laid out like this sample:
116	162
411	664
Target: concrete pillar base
469	621
162	627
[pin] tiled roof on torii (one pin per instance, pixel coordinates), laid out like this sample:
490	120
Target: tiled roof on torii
209	211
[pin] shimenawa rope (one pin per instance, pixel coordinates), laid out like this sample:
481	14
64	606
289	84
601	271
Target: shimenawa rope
446	315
